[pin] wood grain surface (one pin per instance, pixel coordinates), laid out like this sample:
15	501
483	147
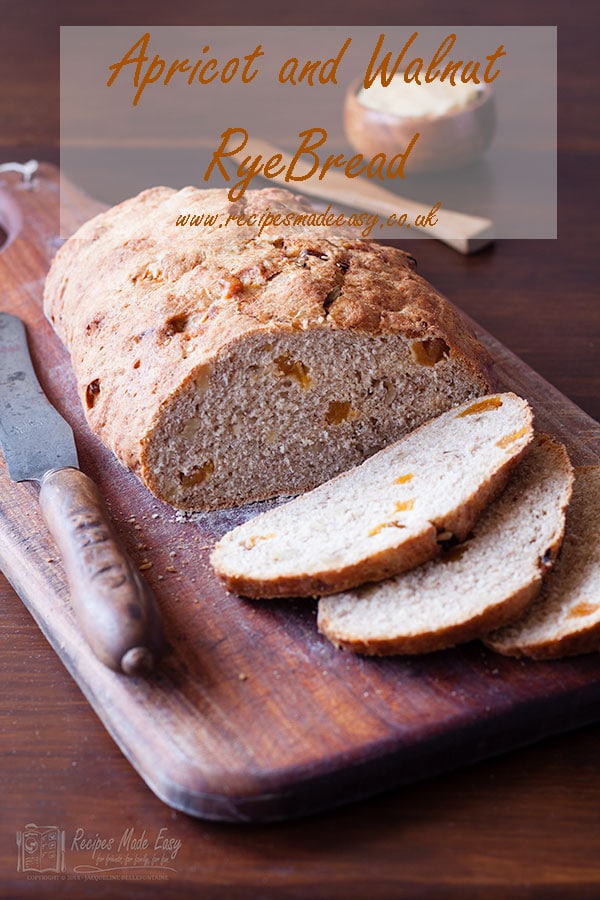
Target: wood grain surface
524	825
208	733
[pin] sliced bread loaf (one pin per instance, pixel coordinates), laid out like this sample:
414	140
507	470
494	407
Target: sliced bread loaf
473	586
231	364
385	516
565	618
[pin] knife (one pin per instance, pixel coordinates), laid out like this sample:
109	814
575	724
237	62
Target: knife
115	608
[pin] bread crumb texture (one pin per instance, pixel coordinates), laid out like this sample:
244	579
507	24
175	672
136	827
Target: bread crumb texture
226	366
373	521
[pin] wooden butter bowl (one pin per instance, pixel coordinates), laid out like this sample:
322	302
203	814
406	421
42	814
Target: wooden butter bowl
445	142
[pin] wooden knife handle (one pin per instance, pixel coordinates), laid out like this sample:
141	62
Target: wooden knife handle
115	608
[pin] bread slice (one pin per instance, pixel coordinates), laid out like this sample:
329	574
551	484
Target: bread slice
385	516
565	618
473	586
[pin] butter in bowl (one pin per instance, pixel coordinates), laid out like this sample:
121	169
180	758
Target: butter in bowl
455	123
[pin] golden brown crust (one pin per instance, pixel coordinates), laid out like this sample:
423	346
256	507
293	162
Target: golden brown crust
419	549
432	641
144	304
585	641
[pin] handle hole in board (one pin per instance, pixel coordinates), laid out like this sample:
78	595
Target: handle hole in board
11	220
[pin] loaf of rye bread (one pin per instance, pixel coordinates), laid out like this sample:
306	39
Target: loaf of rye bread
224	365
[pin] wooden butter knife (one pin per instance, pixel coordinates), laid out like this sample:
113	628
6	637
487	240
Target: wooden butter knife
462	232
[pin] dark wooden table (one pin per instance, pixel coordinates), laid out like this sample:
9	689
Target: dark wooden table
523	825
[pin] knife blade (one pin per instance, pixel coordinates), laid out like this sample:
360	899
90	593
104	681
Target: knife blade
115	608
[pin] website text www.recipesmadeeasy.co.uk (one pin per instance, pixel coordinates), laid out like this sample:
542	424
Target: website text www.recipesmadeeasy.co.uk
365	223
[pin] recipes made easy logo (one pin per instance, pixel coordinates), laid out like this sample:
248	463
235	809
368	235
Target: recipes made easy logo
145	849
48	852
41	848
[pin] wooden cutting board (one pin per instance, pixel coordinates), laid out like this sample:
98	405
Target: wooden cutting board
253	715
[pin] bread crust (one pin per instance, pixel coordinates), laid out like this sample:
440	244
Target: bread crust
144	307
575	644
432	641
388	562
